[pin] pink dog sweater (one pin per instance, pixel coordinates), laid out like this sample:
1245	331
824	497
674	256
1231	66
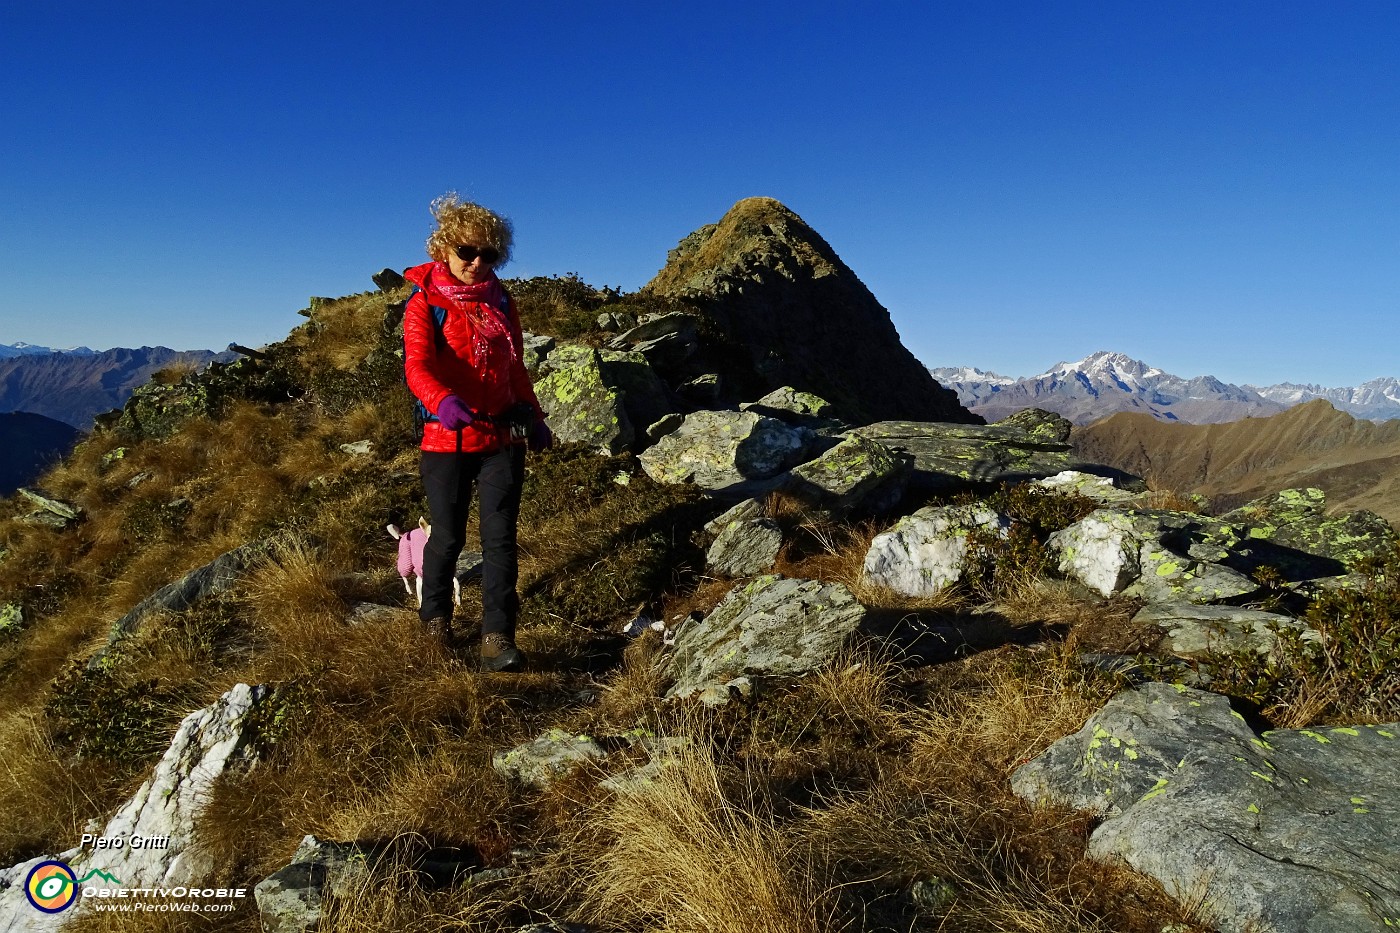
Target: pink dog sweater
411	544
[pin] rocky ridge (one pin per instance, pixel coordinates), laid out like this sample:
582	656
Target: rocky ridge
771	631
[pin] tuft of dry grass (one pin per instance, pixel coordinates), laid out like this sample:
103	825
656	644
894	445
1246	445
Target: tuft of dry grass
685	858
44	794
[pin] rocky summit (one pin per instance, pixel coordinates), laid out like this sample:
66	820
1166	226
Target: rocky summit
797	315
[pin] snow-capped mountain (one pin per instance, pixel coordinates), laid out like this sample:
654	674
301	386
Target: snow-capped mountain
1104	383
1375	399
10	350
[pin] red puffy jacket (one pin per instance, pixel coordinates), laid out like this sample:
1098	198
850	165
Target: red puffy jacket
484	366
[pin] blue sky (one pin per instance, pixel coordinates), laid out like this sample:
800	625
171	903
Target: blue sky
1210	187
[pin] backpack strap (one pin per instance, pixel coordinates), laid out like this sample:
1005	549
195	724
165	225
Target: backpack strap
421	415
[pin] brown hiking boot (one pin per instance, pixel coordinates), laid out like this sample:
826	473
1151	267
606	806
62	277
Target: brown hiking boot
438	628
499	654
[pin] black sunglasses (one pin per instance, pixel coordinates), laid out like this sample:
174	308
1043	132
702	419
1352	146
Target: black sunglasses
488	254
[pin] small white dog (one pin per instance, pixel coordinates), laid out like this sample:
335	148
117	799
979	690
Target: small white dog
411	546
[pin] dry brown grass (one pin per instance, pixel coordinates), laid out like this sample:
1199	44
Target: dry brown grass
344	330
44	795
685	858
945	811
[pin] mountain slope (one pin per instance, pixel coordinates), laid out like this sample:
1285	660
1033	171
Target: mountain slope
797	315
28	443
1356	462
76	387
1104	383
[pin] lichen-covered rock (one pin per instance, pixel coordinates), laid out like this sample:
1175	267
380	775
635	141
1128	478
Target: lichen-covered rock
1040	424
927	551
722	450
295	898
579	405
536	351
1194	631
857	475
745	547
1158	555
1166	575
645	397
664	425
1101	489
769	627
51	513
745	510
1297	519
539	762
1291	830
950	457
664	340
791	405
1100	550
57	507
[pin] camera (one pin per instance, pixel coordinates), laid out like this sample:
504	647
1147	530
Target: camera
520	417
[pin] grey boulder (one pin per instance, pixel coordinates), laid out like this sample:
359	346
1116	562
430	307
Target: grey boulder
1193	631
769	627
1284	832
857	475
726	451
927	550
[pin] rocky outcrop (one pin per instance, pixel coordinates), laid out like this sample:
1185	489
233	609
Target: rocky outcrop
603	398
726	451
213	578
579	403
163	814
1197	632
745	546
1159	555
770	627
795	314
296	898
1297	519
49	512
539	762
1166	556
857	475
949	457
1284	832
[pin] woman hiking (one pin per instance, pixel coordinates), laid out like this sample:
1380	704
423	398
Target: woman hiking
464	362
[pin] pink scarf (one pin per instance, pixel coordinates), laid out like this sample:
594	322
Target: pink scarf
486	324
488	291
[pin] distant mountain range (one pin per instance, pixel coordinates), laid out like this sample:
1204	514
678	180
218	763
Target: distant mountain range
8	350
1105	383
1356	462
75	386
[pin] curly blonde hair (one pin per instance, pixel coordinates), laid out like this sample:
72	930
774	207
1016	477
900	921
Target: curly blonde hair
463	222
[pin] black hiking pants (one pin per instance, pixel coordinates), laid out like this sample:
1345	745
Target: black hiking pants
447	482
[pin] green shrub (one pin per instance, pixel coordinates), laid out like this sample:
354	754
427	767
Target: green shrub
99	713
998	565
1352	670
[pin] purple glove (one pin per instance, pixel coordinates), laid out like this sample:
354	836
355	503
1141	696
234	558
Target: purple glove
453	414
541	438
